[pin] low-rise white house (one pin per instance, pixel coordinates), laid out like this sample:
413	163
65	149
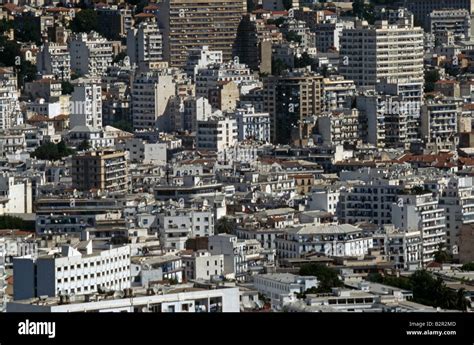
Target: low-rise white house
283	287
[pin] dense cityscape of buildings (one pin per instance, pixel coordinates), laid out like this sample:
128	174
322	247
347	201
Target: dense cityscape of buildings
236	156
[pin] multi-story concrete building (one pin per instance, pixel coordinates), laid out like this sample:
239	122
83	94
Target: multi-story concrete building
144	300
422	8
71	271
217	133
239	255
141	151
324	198
252	125
328	35
176	226
201	57
3	276
456	197
91	54
253	44
336	92
421	212
409	93
54	59
329	239
339	127
15	194
290	99
72	215
86	106
370	53
402	248
439	122
150	94
186	111
145	43
457	22
104	170
202	265
368	202
184	28
114	22
9	108
212	79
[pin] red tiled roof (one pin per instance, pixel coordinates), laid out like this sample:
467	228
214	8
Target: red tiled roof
144	15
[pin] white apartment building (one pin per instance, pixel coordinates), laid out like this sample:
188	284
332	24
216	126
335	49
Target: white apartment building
3	276
216	134
10	112
409	95
91	54
209	77
339	127
86	106
455	21
328	35
252	125
141	151
239	255
186	111
421	212
176	226
402	248
324	198
329	239
283	287
12	143
150	94
54	59
195	301
456	197
71	272
202	265
145	43
15	195
369	53
439	122
41	107
336	92
199	58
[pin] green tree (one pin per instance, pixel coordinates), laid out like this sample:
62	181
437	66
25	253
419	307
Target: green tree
441	256
292	36
66	88
5	25
468	266
278	66
303	61
13	223
431	77
52	152
225	225
85	21
28	31
327	276
119	57
124	125
84	145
